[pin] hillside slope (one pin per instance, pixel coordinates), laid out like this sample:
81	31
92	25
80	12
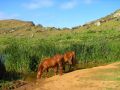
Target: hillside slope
14	24
97	78
109	22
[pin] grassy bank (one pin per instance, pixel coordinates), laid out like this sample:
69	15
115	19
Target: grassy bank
24	54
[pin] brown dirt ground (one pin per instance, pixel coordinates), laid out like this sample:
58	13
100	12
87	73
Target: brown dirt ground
78	80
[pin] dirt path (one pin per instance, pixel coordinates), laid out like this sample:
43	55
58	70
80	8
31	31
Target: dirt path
97	78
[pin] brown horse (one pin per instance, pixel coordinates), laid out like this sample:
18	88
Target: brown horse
69	57
53	62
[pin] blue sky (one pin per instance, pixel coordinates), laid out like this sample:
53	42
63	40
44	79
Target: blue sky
58	13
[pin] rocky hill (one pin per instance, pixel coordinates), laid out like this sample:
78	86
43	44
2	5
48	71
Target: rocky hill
14	24
111	21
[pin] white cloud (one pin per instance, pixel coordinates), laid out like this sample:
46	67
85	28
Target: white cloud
69	5
7	16
66	4
35	4
88	1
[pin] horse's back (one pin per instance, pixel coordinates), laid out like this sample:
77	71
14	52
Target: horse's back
53	61
58	57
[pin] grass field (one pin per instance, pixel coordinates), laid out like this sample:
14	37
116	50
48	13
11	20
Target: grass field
91	47
22	50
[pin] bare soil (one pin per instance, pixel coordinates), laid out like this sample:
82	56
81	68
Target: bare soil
97	78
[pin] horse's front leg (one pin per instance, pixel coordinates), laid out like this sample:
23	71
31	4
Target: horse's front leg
55	70
64	67
47	72
61	68
39	74
70	67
